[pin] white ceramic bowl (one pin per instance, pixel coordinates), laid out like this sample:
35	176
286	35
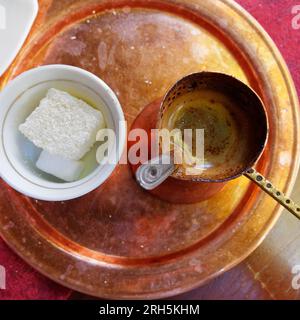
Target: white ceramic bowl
18	155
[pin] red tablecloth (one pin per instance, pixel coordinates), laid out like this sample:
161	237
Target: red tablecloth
276	17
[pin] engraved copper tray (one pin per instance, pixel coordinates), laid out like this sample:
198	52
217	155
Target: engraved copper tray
120	241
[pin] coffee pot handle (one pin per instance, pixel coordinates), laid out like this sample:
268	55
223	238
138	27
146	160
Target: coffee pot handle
270	189
152	173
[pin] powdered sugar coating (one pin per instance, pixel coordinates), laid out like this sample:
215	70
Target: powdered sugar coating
63	125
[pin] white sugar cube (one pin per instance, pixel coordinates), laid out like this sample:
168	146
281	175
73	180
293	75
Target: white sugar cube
62	168
63	125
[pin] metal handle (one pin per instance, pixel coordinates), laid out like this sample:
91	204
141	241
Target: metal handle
154	172
268	187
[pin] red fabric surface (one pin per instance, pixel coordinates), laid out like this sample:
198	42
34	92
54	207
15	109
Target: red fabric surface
276	17
22	282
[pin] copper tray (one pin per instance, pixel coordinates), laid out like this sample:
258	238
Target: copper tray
119	241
